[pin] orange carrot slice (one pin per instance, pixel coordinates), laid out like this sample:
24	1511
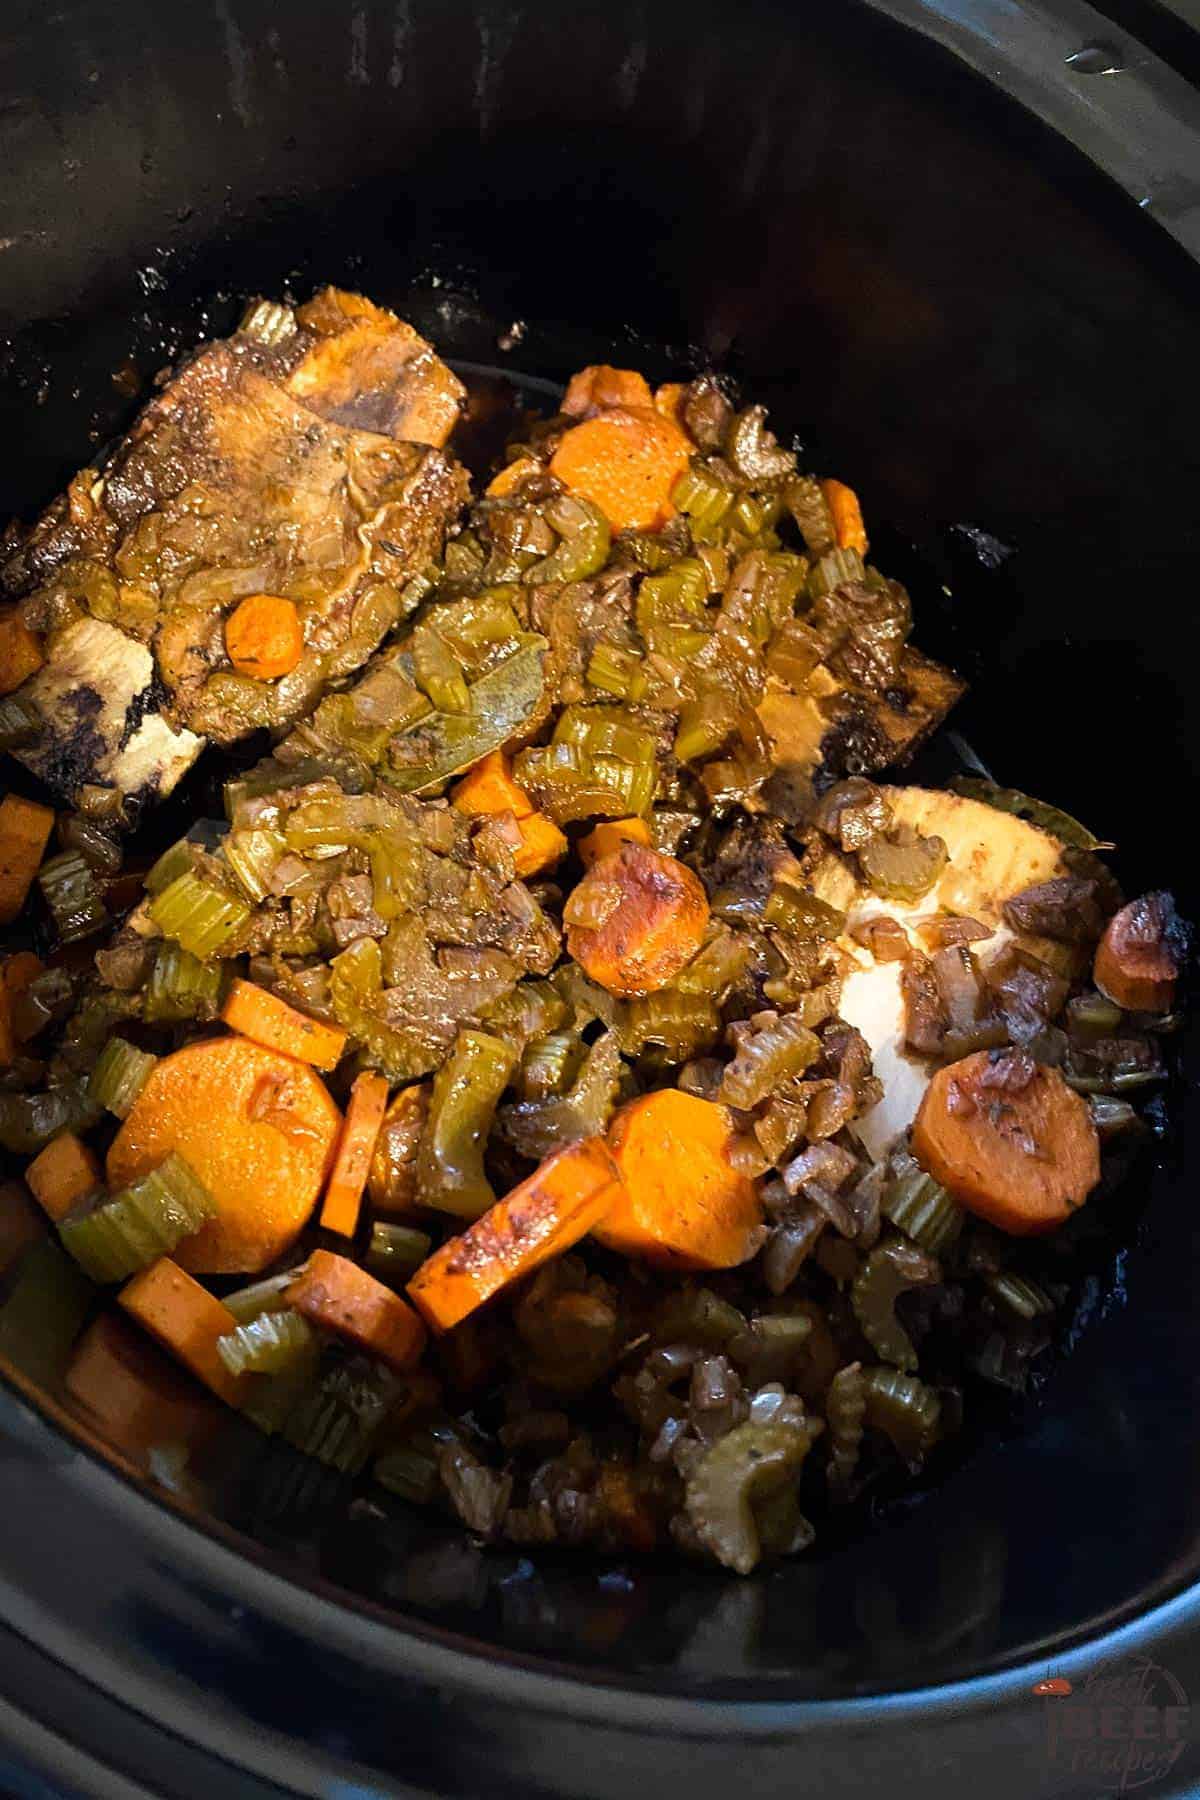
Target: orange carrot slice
186	1319
609	835
356	1147
552	1209
682	1203
24	829
1009	1139
626	461
1139	958
258	1128
848	527
63	1174
264	637
635	919
267	1019
20	650
336	1294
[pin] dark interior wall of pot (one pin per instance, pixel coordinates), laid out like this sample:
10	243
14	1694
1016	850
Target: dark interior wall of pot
938	299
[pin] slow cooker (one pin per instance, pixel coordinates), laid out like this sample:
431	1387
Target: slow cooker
953	244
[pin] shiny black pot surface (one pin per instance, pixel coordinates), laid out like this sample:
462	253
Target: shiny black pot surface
956	309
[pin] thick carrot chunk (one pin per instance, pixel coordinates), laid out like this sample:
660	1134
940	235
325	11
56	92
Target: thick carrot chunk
635	919
186	1319
548	1212
20	650
339	1296
1009	1139
542	844
609	835
24	829
488	787
63	1174
681	1203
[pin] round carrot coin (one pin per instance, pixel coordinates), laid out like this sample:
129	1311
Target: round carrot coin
1009	1139
626	460
263	637
258	1128
635	919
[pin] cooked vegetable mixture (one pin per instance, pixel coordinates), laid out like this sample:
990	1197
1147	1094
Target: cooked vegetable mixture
566	1087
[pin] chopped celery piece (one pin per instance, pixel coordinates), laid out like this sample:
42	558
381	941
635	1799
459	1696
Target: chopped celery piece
252	853
171	864
409	1471
270	1400
678	595
199	915
548	1064
141	1223
702	494
705	725
772	1054
584	541
450	1174
715	966
1020	1296
40	1319
681	1025
355	979
529	1011
19	721
536	1127
274	1343
438	671
73	895
261	1296
617	672
833	568
605	731
795	910
338	1421
921	1208
181	986
502	702
570	783
397	1251
120	1074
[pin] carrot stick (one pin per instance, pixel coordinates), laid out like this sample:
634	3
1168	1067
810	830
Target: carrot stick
608	836
267	1019
488	787
264	637
186	1319
552	1209
258	1128
635	919
1009	1139
336	1294
682	1203
846	512
356	1147
24	828
626	461
62	1174
20	650
1139	958
600	386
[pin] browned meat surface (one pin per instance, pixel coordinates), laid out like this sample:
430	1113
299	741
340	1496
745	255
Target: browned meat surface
301	457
